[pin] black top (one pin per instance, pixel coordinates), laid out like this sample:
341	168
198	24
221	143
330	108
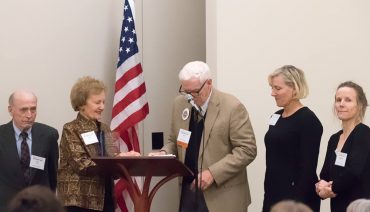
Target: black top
352	181
292	149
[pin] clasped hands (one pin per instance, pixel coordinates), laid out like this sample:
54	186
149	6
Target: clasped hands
324	189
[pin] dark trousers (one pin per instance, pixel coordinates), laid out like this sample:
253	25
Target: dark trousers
192	200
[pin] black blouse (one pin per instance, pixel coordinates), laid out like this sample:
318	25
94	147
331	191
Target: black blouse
352	181
292	149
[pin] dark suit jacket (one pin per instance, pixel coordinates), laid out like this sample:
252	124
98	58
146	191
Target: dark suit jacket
44	144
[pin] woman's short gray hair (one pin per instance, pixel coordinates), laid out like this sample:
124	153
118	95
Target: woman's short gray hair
290	206
360	205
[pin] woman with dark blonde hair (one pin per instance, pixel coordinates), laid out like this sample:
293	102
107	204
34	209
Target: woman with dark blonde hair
292	142
346	171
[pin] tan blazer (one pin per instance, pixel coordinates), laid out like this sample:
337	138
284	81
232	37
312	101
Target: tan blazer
229	147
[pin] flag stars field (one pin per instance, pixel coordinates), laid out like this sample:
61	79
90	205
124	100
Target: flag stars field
130	105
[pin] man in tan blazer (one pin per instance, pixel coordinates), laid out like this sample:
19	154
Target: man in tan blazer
212	134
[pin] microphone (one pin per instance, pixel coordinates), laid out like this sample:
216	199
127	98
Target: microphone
198	112
190	99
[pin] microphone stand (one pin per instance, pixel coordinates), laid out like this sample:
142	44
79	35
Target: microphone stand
202	154
198	112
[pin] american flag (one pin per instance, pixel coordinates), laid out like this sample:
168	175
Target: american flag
129	105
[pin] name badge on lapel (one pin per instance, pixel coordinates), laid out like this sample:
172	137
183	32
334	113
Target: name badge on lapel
273	119
89	138
183	138
37	162
341	158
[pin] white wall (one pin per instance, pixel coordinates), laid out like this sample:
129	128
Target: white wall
47	45
173	34
247	40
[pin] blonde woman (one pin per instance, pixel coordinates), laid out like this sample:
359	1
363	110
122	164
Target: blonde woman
292	142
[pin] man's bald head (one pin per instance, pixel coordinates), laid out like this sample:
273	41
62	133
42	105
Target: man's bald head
23	108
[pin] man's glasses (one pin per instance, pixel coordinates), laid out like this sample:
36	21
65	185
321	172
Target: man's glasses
193	93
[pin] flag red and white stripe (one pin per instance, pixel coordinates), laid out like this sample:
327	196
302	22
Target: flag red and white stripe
130	105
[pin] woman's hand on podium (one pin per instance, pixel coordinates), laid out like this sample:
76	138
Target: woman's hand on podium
130	153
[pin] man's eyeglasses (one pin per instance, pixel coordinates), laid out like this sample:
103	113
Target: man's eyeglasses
193	93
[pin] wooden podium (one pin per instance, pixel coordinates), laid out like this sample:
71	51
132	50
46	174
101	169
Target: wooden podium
147	166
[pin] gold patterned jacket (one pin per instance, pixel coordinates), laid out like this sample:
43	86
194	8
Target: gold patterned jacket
79	181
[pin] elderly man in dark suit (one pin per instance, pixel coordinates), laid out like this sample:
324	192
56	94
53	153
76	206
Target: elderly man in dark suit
212	134
28	150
